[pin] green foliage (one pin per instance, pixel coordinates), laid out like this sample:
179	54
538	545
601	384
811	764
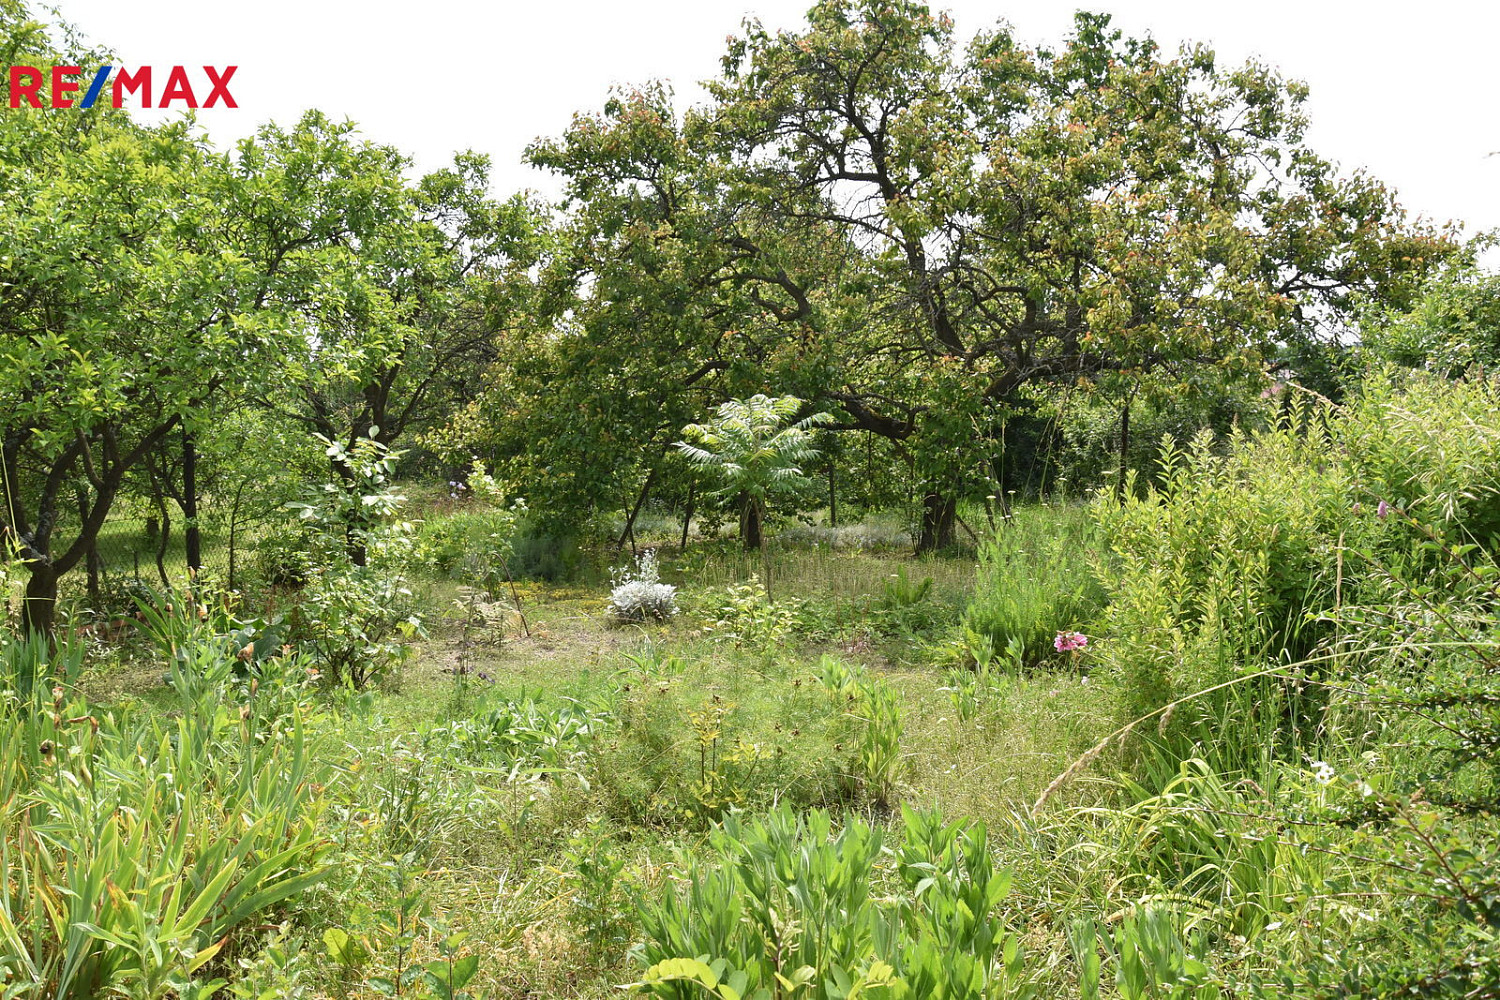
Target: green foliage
519	739
592	868
198	626
1428	447
786	234
744	615
449	545
376	948
1453	326
31	667
158	282
478	542
685	748
1421	642
755	451
787	906
1150	959
751	445
132	847
974	689
909	609
1036	578
878	761
1217	571
355	611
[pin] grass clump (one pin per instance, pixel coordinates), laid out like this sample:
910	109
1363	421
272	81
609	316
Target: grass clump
1035	579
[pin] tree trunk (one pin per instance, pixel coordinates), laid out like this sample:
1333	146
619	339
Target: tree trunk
40	605
91	561
640	500
234	521
94	566
750	532
190	503
161	547
687	516
354	539
1124	448
938	515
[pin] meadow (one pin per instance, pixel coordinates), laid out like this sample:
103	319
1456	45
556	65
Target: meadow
1233	736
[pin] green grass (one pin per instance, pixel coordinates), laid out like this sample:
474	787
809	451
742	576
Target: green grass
541	842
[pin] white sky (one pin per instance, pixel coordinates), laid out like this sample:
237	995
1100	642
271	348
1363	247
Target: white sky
1405	90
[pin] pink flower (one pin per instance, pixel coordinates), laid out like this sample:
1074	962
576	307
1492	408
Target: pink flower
1383	511
1067	642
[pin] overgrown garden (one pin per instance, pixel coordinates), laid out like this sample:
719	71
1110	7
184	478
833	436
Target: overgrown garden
945	518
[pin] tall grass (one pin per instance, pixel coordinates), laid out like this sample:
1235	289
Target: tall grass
132	847
1035	579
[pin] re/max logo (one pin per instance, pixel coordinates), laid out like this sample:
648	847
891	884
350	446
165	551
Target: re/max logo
26	85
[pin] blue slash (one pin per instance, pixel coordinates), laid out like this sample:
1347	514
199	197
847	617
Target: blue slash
96	86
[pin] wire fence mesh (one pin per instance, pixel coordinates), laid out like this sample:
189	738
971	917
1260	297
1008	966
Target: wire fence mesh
135	552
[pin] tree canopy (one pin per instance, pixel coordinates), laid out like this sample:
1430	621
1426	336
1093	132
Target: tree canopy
911	231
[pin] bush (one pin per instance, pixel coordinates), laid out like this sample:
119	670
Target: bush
442	544
1219	570
1428	447
744	615
639	595
488	545
354	610
908	609
354	621
522	739
538	554
686	747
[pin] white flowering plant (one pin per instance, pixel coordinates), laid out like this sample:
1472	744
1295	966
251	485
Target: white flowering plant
638	594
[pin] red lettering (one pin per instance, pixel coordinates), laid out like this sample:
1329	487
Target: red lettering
61	86
221	86
19	90
178	89
141	81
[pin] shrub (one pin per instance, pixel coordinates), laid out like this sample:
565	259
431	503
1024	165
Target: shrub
1219	568
743	614
442	543
908	608
354	621
487	544
687	746
198	624
1452	327
877	763
285	557
354	610
1430	448
540	554
639	595
522	738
